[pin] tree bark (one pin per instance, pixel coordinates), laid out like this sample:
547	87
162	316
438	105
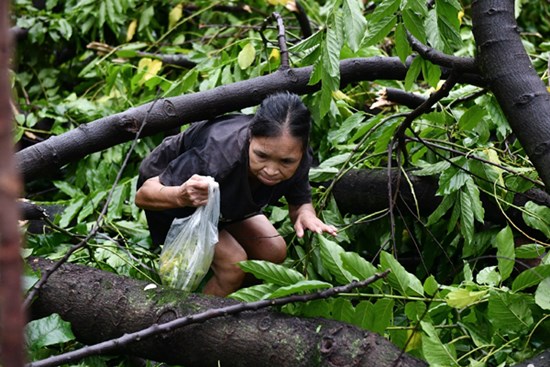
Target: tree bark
365	191
513	80
12	320
101	306
39	160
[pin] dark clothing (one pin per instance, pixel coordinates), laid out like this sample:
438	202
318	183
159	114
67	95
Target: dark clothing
217	148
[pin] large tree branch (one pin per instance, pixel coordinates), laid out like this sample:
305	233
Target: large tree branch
103	306
366	191
42	158
513	80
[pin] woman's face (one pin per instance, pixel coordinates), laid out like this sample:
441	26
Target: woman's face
274	159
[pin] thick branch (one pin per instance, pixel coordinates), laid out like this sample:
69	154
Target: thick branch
366	191
439	58
513	79
103	306
39	160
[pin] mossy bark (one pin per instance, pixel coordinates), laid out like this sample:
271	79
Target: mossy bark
101	306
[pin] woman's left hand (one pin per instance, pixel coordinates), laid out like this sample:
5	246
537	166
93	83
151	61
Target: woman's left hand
304	218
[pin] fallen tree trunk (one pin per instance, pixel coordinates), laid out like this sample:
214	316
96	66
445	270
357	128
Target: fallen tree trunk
39	160
366	191
101	306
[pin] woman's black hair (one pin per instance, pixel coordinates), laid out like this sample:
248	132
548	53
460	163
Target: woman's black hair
279	113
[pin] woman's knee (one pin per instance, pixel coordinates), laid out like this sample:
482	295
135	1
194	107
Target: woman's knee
275	249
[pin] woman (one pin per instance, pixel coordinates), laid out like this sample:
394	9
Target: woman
256	159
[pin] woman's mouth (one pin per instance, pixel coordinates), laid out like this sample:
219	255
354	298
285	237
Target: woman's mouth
270	181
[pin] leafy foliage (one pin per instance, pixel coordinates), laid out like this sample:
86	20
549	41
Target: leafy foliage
476	293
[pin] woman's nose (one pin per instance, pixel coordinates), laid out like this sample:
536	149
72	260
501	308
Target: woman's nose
271	169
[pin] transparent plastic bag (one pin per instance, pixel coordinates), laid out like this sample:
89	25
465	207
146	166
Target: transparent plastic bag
189	246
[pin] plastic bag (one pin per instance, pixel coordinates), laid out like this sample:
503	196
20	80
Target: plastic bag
189	246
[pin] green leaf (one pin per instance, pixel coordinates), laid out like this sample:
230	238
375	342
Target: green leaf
446	204
379	30
246	56
402	46
542	294
375	317
330	256
413	72
461	297
432	31
505	252
91	205
301	286
384	9
71	211
538	217
309	44
342	310
431	287
452	180
48	331
448	24
145	17
382	315
510	312
472	117
475	201
489	276
345	129
270	272
331	59
414	23
415	311
175	15
435	352
68	189
357	265
466	216
355	25
530	251
254	293
531	277
431	73
404	282
118	202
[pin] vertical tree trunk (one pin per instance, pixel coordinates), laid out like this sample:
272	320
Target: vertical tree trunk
11	312
513	80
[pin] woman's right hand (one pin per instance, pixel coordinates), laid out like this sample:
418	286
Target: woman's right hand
193	192
153	195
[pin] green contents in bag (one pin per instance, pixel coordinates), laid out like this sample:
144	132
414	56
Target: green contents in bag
189	246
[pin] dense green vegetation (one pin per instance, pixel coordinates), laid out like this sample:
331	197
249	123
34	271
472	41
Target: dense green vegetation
472	293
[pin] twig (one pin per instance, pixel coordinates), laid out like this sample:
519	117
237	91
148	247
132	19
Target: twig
463	64
399	142
303	19
156	329
281	38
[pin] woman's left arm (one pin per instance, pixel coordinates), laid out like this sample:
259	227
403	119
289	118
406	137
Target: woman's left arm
304	217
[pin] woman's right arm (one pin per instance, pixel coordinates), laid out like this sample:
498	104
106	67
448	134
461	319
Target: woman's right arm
153	195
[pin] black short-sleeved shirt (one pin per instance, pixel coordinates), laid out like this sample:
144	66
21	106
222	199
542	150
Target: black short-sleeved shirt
217	148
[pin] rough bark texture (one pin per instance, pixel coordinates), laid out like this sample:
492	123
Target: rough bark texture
513	80
11	314
366	191
102	306
39	160
541	360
